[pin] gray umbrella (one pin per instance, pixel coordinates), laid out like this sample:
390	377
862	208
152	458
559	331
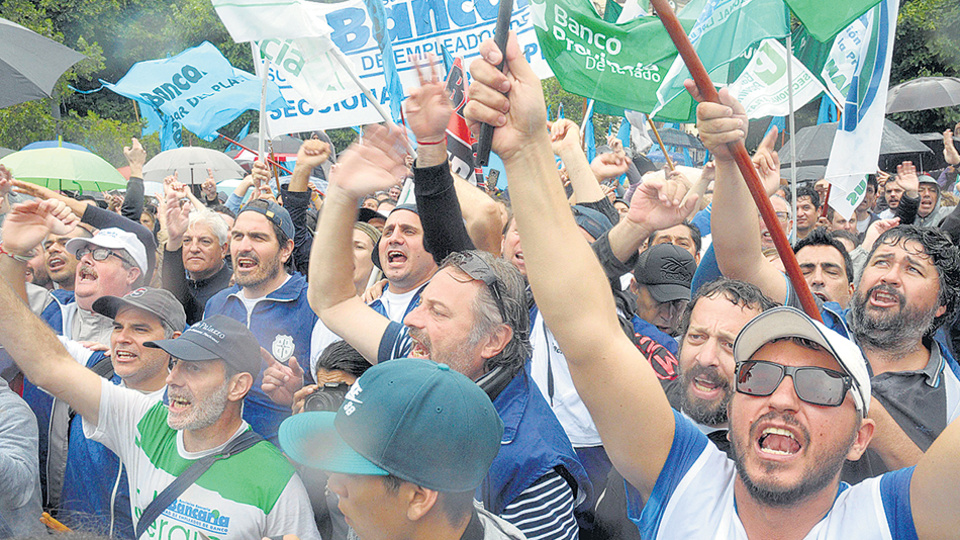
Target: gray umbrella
675	137
5	151
30	64
815	142
924	93
191	164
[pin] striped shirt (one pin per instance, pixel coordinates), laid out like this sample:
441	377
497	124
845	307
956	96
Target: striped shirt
544	511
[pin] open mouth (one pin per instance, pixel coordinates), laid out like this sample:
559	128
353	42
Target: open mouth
881	298
178	404
246	263
420	351
55	263
125	356
778	441
395	256
821	295
87	274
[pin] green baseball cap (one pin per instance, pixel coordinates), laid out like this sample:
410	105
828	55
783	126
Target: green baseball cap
415	419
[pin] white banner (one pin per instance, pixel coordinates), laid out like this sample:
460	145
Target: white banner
419	27
762	88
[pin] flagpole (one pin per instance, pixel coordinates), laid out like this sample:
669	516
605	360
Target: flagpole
660	142
366	92
271	161
679	37
793	140
263	107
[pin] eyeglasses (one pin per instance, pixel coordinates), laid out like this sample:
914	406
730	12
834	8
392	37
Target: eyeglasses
816	385
782	216
100	254
478	269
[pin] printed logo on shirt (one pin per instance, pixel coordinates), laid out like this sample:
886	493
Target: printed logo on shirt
351	400
283	347
198	516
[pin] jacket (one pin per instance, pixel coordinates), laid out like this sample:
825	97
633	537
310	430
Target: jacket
282	322
20	494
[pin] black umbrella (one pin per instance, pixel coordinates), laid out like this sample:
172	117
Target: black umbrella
924	93
815	142
30	64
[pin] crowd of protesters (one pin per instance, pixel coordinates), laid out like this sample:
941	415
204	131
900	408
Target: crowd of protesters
604	350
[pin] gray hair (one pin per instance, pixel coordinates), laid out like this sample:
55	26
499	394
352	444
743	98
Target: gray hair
216	223
512	288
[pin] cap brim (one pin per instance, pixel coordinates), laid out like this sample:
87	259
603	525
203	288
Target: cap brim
184	349
311	439
668	292
108	306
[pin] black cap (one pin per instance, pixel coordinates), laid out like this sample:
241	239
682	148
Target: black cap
216	338
666	271
158	302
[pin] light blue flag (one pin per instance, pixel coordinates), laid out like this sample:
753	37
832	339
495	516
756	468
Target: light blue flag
588	136
560	111
171	132
378	17
244	131
198	88
624	133
780	122
828	111
448	62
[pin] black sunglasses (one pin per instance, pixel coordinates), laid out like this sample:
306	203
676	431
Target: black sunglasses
478	269
816	385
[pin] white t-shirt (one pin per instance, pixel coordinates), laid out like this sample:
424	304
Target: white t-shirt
693	498
251	495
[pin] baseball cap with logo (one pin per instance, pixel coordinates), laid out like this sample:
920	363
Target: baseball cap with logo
114	239
415	419
216	338
158	302
667	271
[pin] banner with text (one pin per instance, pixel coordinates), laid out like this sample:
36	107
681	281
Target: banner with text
762	88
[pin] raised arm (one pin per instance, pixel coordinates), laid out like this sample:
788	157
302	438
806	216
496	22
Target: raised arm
617	384
565	136
933	489
132	205
24	229
734	220
296	198
363	168
30	341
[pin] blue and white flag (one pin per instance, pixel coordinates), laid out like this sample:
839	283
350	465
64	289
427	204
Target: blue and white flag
170	131
198	88
856	147
589	138
378	17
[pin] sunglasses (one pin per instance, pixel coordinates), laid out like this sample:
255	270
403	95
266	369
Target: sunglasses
815	385
100	254
478	269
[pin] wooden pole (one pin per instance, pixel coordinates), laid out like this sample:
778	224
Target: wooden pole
660	142
742	158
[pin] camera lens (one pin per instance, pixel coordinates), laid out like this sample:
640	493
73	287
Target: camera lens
328	397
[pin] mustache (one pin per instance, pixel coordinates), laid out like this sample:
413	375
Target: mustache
710	374
880	287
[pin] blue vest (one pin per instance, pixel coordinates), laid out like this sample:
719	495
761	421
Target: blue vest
284	317
89	483
533	444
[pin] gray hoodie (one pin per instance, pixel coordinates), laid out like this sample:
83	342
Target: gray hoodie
19	469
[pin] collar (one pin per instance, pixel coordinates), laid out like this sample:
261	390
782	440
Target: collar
935	365
288	292
224	271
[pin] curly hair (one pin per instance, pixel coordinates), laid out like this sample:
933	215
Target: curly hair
739	293
944	255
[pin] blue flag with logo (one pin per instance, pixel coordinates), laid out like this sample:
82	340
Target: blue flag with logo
394	88
198	89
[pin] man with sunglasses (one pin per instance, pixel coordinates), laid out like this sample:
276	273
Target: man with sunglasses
473	317
907	289
790	444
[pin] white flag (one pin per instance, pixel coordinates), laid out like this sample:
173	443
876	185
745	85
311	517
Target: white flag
254	20
856	147
762	87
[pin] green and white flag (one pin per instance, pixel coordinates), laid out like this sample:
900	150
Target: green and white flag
763	89
824	19
613	63
724	30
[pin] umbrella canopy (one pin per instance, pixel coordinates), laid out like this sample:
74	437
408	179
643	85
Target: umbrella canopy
191	164
675	137
30	64
64	168
55	144
924	93
815	142
284	144
807	173
5	151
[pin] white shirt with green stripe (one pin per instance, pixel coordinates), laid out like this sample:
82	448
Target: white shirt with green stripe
251	495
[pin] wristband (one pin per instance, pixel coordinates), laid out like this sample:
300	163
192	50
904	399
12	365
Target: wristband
444	139
20	258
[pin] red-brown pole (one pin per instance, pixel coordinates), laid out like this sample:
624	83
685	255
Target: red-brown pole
826	201
742	158
270	161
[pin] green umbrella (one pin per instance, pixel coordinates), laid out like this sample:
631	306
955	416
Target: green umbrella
59	168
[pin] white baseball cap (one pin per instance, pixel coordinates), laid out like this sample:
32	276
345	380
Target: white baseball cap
113	238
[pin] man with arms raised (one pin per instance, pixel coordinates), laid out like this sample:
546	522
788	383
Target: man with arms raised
473	317
798	412
251	494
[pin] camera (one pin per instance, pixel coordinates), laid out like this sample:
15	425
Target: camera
328	397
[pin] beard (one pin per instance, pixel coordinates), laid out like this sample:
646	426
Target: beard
266	271
894	332
823	470
710	413
205	411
